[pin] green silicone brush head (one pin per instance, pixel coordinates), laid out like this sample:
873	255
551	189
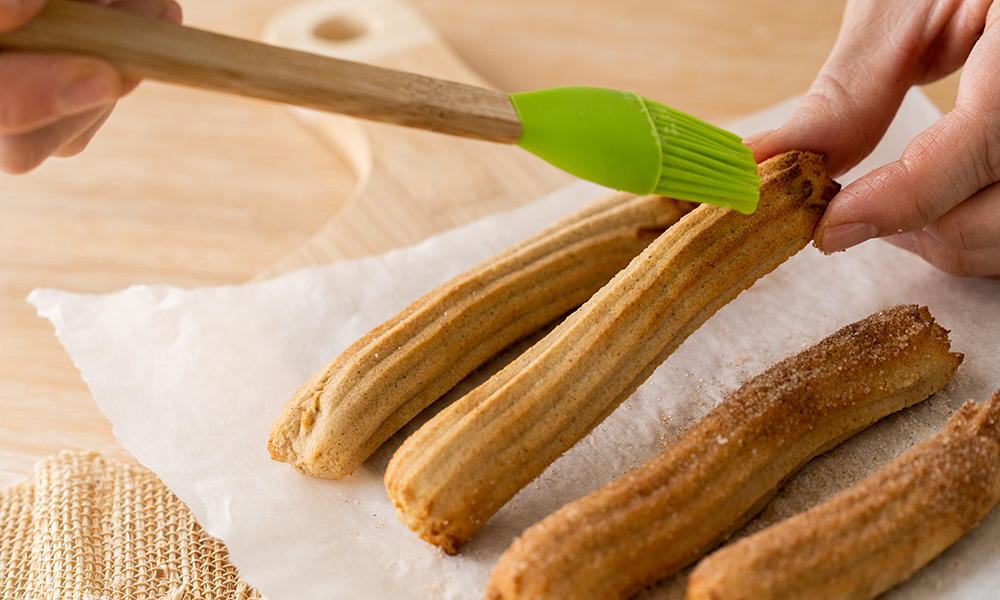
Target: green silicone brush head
703	161
626	142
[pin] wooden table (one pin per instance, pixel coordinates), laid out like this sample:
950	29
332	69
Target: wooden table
190	188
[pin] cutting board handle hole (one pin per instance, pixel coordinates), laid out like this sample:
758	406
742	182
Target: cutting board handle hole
341	28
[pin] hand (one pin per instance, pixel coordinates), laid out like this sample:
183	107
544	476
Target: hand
51	104
941	200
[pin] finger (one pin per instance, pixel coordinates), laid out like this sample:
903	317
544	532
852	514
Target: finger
973	224
939	169
983	262
22	153
40	89
883	48
853	99
78	144
14	13
942	167
167	10
837	118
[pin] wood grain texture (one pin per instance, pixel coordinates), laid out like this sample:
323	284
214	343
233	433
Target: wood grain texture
191	188
154	49
410	182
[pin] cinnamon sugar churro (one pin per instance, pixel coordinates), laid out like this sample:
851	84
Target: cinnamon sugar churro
458	469
373	388
678	505
876	534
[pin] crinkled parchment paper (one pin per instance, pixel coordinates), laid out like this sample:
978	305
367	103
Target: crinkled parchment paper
192	380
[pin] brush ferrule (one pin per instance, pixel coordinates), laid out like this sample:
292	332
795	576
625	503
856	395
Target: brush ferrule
600	135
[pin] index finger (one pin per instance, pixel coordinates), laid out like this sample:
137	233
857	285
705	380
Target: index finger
14	13
883	48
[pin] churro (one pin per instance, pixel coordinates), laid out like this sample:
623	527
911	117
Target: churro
458	469
678	505
379	383
876	534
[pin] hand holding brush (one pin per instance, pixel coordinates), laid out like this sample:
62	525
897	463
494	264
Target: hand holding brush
617	139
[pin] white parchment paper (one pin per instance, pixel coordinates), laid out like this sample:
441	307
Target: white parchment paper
192	380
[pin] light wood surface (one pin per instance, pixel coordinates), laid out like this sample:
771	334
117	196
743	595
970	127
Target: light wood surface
193	188
162	51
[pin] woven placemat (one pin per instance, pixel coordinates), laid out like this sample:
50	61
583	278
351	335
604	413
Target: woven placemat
89	527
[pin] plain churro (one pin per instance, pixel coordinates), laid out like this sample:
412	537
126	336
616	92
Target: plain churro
379	383
465	463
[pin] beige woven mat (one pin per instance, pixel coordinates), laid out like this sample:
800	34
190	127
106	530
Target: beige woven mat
88	527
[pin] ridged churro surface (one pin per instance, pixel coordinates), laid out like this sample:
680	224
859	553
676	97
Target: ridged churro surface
876	534
379	383
678	505
458	469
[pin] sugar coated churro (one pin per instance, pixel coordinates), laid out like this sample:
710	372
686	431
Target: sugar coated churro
876	534
678	505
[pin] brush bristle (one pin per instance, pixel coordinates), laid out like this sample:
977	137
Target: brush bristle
703	163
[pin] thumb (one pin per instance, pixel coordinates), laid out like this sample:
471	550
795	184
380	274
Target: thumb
853	99
14	13
831	120
883	48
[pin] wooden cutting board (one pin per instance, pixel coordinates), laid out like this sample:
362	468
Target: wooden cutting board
409	181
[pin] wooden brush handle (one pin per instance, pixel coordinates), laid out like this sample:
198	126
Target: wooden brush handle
149	48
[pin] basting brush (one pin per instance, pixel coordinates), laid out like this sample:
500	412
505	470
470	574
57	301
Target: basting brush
617	139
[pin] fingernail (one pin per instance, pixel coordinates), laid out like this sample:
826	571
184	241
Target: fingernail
846	236
84	94
756	138
906	241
